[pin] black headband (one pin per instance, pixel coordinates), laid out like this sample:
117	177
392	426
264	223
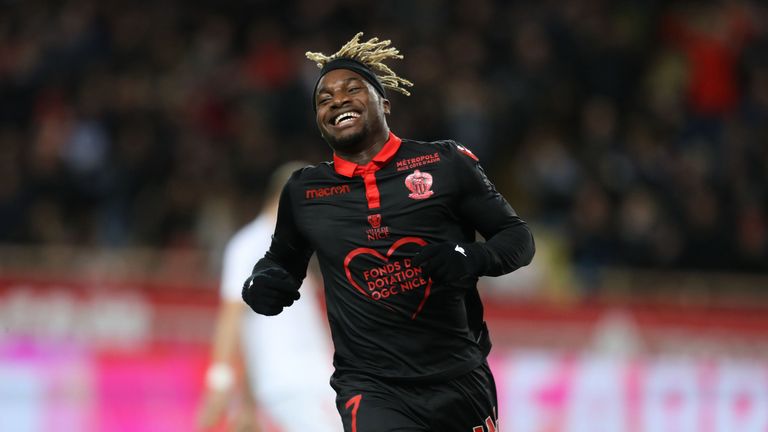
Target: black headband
353	65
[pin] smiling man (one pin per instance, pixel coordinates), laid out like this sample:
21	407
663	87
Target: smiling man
393	223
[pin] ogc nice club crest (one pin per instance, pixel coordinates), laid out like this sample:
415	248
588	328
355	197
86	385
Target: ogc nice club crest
419	183
375	220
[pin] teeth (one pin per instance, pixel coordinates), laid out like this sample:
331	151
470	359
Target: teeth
345	116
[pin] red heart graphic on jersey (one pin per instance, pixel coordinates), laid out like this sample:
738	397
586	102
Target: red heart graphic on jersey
362	251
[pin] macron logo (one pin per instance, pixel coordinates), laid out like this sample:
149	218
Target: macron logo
460	250
326	191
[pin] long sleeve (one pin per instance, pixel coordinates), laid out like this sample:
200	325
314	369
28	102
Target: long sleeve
289	249
509	242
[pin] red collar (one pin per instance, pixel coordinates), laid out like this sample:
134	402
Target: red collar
349	169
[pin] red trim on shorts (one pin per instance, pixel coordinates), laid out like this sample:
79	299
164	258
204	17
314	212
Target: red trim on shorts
354	401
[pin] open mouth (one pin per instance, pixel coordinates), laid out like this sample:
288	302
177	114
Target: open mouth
345	118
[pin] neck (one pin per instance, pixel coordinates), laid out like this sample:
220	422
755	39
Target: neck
367	149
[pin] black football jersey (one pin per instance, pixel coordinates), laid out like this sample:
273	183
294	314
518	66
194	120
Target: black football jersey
366	223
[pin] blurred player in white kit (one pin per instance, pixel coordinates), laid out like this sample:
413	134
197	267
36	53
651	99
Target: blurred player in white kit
287	358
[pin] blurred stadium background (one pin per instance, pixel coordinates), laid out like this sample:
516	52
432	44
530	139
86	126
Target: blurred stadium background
632	135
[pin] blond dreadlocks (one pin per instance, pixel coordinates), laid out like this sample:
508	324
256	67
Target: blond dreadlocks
370	53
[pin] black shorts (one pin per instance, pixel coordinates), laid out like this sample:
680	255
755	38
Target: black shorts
464	404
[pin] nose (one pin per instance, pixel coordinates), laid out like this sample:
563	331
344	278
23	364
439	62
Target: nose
339	99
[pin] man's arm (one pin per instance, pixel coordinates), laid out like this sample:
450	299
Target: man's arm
275	280
509	242
226	383
289	249
220	385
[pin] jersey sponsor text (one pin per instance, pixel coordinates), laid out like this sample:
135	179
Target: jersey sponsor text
417	161
326	191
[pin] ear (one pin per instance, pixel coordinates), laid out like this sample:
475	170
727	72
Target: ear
385	104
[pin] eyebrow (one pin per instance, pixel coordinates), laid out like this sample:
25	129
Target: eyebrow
324	89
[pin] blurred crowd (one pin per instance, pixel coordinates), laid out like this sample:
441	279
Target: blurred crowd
635	130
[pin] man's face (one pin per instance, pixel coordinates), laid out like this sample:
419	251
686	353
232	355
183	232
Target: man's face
349	110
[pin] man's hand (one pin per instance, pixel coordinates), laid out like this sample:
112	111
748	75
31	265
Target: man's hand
213	408
446	262
270	290
216	411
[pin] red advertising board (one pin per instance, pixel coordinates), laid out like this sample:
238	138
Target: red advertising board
122	356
